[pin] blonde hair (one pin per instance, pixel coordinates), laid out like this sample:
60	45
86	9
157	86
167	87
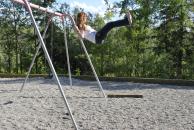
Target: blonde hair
80	22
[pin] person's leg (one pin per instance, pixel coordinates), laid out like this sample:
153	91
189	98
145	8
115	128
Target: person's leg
101	34
113	24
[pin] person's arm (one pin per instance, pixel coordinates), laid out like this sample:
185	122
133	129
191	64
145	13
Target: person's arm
76	29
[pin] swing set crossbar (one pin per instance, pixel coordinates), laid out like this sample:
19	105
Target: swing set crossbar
34	6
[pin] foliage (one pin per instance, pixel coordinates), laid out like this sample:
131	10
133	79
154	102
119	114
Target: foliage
159	43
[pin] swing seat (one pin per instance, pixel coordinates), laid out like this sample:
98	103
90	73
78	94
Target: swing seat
124	96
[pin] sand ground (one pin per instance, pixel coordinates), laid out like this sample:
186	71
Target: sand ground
40	106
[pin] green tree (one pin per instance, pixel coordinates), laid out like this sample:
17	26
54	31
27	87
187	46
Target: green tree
173	33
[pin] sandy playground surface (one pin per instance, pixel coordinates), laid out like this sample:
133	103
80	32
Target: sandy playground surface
40	106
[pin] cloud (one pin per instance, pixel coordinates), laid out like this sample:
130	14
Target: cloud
100	9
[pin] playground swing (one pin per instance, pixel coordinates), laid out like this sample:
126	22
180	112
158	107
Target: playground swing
42	44
65	40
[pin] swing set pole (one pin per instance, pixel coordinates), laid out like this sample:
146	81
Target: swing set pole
86	52
67	52
49	60
34	58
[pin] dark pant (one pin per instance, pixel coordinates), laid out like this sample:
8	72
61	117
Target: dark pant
101	34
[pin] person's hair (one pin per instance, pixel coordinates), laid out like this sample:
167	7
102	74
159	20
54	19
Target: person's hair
80	22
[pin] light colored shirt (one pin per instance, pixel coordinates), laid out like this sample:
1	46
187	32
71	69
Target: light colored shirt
89	34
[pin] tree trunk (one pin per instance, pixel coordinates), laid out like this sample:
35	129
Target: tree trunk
35	46
101	64
16	42
179	64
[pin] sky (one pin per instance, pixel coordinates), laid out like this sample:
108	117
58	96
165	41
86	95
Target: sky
93	6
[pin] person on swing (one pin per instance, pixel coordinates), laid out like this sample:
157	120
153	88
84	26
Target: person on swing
98	37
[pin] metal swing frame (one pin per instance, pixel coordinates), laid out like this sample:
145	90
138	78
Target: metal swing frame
42	44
